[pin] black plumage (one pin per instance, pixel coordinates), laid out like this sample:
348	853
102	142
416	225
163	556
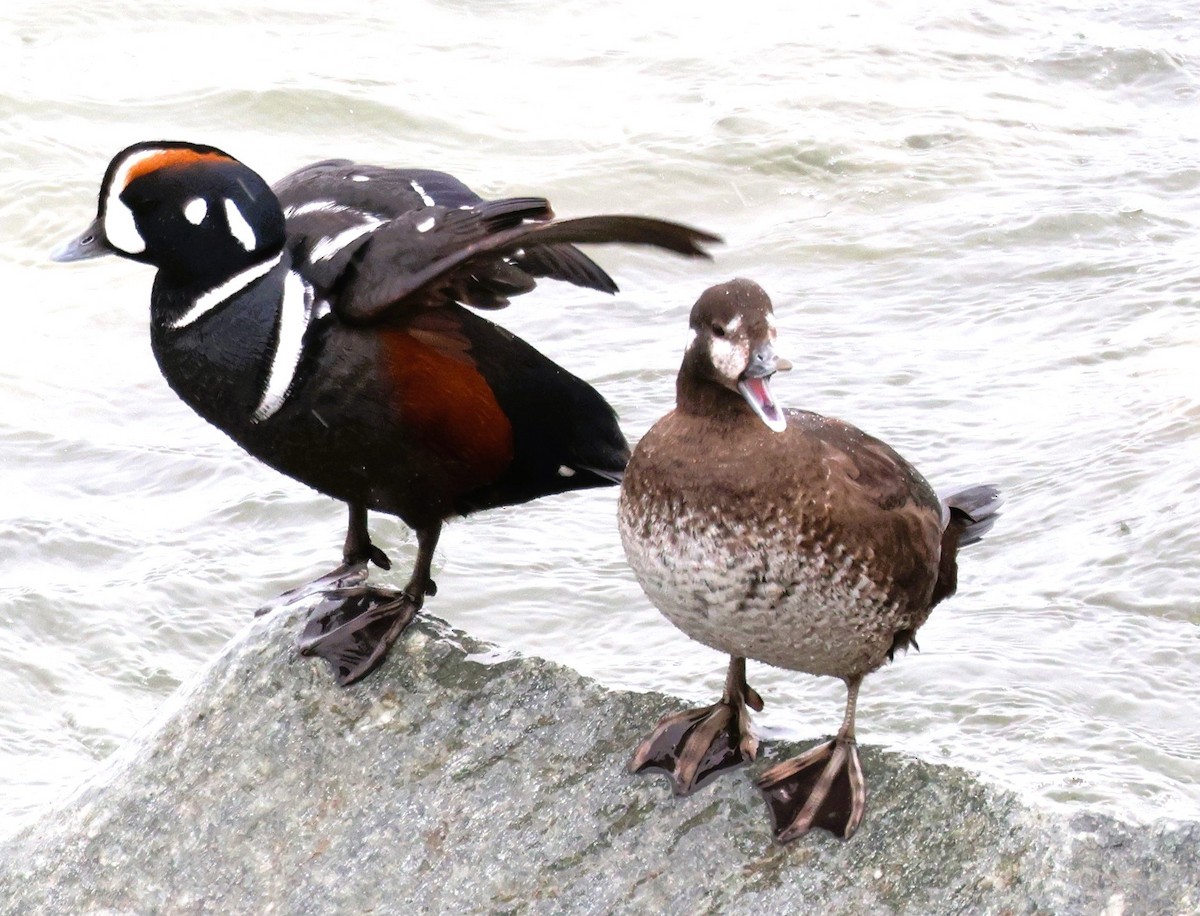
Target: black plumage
321	324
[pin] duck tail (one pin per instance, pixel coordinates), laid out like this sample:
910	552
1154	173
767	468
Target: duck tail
973	511
970	513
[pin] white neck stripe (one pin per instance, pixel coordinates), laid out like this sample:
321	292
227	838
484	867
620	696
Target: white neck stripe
294	311
208	301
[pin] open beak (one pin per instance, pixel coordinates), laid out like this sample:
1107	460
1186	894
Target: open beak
755	387
88	244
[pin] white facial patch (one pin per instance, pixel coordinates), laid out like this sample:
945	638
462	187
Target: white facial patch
729	358
239	227
119	226
121	230
734	324
195	210
426	225
425	198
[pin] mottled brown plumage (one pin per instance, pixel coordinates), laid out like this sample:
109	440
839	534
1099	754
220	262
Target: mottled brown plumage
782	536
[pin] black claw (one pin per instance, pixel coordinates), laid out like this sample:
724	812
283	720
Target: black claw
378	557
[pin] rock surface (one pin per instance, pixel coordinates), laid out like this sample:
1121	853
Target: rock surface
457	781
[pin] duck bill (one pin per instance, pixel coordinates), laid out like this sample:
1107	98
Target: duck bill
757	392
88	244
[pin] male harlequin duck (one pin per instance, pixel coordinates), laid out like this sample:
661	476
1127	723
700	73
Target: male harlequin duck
783	536
320	324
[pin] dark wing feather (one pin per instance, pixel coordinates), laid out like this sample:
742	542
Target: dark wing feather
473	245
386	193
333	207
407	245
369	195
882	501
568	263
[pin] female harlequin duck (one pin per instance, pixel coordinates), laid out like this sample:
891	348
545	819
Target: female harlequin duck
783	536
320	324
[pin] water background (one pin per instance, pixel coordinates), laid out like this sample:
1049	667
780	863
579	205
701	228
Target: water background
979	221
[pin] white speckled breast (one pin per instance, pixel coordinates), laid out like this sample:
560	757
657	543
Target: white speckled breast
744	547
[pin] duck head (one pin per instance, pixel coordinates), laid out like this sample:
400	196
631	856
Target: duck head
192	211
730	356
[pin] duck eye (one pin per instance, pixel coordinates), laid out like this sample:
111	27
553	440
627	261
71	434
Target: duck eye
718	330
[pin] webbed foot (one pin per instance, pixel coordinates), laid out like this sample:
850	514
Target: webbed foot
354	624
695	746
353	628
823	787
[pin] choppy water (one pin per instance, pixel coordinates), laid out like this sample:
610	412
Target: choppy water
981	227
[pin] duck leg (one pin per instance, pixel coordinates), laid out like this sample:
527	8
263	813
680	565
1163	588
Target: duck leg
354	625
823	787
357	553
697	745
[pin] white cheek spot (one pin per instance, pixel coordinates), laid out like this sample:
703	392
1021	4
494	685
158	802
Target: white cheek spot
691	339
564	471
195	210
728	358
360	178
734	324
427	225
239	227
425	198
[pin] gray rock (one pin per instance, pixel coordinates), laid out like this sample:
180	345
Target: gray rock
458	781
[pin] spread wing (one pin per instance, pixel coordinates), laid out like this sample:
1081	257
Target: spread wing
477	255
333	208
